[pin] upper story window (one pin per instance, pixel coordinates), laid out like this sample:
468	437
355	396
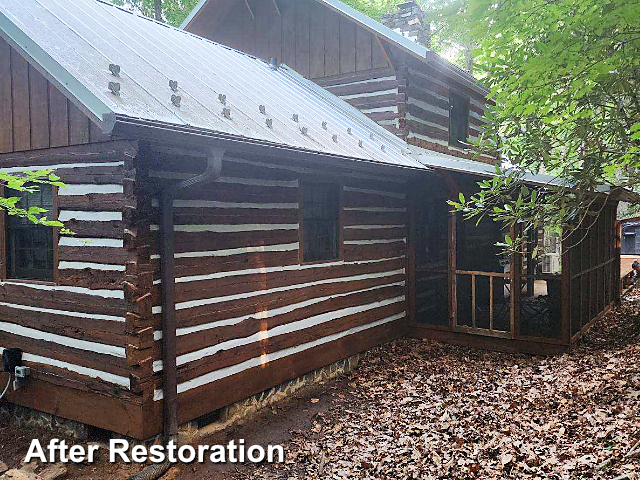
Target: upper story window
29	247
458	119
320	221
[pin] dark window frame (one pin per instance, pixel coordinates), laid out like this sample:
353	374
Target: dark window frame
5	275
464	99
303	186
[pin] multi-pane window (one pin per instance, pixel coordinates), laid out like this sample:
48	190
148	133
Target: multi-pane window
29	247
320	221
458	119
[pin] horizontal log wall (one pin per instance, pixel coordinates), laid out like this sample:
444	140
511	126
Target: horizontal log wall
425	120
376	93
243	299
33	113
74	329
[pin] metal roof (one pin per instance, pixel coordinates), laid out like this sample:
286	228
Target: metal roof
74	42
455	164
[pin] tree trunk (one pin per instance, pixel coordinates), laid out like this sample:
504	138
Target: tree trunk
468	57
157	4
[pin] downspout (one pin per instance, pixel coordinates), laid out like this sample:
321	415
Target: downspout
167	269
168	302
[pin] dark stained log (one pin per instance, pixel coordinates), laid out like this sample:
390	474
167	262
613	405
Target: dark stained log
92	202
355	76
100	331
85	228
203	241
114	413
369	87
109	152
374	234
254	380
90	278
249	305
226	358
111	255
21	114
234	285
429	116
377	101
98	361
357	217
427	130
251	326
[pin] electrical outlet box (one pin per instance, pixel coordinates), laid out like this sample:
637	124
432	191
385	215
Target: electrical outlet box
23	372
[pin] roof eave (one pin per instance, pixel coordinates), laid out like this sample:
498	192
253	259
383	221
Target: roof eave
155	131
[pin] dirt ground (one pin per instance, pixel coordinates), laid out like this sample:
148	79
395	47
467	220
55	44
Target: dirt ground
420	409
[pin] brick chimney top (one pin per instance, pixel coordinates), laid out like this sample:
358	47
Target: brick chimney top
408	21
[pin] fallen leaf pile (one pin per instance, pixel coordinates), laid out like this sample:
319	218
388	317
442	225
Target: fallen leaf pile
421	409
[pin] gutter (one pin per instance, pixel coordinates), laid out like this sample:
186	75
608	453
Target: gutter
168	300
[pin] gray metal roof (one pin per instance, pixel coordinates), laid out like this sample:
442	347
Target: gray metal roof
73	42
450	163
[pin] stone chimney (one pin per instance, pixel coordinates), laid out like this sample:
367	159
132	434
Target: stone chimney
408	21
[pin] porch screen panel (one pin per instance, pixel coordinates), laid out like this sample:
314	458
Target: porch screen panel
477	252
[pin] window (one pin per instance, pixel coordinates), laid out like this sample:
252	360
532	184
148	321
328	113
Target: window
320	221
29	247
458	119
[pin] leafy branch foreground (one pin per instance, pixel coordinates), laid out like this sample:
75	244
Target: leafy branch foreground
419	409
28	182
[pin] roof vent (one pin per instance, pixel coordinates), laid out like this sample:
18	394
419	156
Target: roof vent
335	137
349	130
304	130
263	109
295	117
274	63
173	85
269	122
114	88
360	143
226	112
325	125
175	99
114	69
223	98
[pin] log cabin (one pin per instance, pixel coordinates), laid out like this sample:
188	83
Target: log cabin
235	226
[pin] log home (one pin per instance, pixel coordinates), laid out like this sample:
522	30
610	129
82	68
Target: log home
236	226
379	69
